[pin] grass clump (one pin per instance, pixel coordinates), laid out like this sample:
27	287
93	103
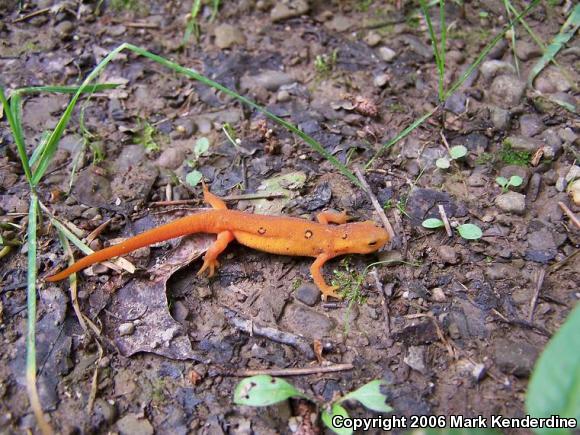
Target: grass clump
325	63
512	157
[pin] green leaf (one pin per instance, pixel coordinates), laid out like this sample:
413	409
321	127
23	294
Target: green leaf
193	178
516	180
370	396
566	33
432	223
458	151
502	181
201	146
554	388
442	163
264	390
336	410
470	231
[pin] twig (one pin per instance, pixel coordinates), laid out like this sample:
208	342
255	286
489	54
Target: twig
554	267
444	139
31	15
375	203
445	220
295	371
523	323
539	282
569	213
97	231
273	334
142	25
387	294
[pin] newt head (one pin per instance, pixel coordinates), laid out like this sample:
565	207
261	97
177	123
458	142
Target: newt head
360	238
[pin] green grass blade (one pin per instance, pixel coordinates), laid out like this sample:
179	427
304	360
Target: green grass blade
289	126
67	89
16	128
432	35
508	9
486	51
442	49
192	23
215	6
40	147
400	136
567	31
31	318
54	138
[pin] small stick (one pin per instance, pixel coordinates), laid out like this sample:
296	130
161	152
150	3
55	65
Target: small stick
273	334
387	294
569	213
31	15
97	231
300	371
539	282
445	220
375	203
523	324
444	139
142	25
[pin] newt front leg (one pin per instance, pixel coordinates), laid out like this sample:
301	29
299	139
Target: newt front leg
316	271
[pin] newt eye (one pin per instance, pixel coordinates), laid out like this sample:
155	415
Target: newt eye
373	243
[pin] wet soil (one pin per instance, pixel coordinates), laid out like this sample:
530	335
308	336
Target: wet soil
454	326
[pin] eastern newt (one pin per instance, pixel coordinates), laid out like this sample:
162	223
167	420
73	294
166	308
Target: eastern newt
273	234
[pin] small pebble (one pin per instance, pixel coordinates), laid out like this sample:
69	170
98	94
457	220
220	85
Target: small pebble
373	39
381	80
126	328
387	54
447	254
308	294
437	295
511	202
283	96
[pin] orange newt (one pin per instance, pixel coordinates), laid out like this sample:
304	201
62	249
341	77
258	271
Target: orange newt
273	234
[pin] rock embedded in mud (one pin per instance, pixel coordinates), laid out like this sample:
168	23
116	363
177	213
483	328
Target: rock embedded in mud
541	246
531	125
507	91
500	118
307	322
514	357
447	254
126	328
308	294
132	424
227	35
521	143
511	202
387	54
64	30
171	158
372	39
551	80
492	68
437	295
282	10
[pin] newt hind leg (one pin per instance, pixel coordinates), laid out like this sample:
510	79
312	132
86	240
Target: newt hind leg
210	262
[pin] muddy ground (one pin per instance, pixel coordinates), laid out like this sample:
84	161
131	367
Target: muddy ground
454	326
